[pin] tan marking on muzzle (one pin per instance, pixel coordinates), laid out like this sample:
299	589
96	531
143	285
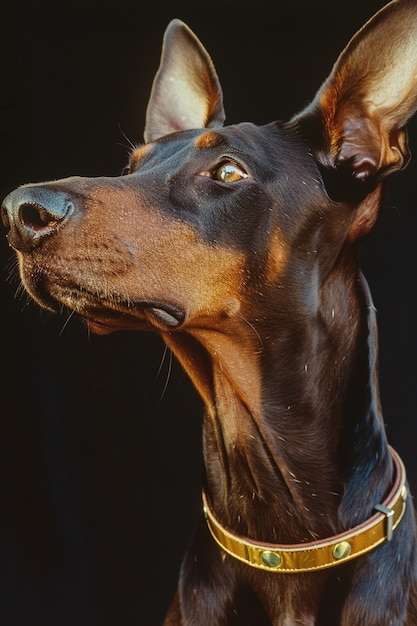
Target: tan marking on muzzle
209	278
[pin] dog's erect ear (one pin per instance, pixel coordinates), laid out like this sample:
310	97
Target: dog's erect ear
186	91
358	116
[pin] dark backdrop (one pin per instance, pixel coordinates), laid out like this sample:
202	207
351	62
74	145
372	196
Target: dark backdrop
100	436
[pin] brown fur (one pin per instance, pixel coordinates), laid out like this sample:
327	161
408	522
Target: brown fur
238	245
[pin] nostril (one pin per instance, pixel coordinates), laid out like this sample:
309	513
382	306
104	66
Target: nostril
33	212
36	217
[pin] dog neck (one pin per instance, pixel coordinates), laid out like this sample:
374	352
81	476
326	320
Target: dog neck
276	446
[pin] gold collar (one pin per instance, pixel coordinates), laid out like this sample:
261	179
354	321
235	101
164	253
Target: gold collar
316	555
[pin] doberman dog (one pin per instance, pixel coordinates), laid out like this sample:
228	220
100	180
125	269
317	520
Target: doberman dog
239	245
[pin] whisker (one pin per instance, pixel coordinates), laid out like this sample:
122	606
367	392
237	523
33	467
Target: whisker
168	374
12	269
131	144
254	330
71	313
161	363
20	292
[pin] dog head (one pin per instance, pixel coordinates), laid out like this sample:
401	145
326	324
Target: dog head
219	228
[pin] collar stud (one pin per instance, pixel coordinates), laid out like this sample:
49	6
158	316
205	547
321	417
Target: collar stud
324	553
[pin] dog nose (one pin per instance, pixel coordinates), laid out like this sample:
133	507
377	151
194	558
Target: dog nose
33	212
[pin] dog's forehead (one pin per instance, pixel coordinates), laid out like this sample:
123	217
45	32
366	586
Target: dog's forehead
245	139
265	147
241	135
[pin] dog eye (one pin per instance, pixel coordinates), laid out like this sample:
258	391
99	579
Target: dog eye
228	172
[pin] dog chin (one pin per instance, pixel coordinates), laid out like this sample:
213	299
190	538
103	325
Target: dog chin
98	328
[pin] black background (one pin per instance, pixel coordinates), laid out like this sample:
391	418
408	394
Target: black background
100	436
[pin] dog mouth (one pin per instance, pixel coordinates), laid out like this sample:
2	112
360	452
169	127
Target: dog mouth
142	315
106	313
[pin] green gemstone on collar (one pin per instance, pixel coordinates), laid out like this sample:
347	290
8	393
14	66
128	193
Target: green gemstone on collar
342	550
271	559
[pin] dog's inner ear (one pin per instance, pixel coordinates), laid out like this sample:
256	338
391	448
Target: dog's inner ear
186	92
357	119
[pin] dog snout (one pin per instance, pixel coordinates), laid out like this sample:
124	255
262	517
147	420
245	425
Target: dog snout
34	212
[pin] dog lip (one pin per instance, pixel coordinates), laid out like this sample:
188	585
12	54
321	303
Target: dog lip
164	314
109	314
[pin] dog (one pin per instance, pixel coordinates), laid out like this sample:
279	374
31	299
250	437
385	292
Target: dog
238	245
